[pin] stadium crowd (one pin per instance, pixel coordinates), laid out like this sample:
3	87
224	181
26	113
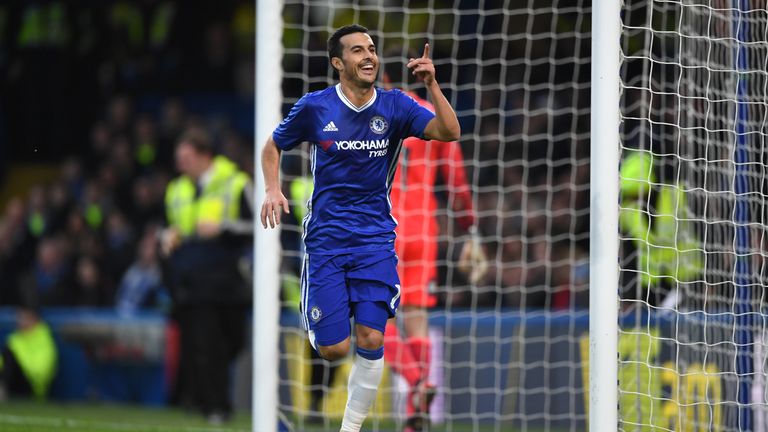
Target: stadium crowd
85	238
73	241
88	238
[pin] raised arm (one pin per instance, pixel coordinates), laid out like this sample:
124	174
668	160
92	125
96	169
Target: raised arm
445	125
275	202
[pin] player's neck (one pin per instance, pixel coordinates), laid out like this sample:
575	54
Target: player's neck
358	96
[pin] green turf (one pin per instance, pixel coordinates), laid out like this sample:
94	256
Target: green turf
31	416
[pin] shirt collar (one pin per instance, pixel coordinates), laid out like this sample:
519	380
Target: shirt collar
350	104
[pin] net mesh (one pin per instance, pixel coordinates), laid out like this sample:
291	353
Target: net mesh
507	350
692	215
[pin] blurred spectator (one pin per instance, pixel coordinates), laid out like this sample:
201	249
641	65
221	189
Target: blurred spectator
146	144
571	277
100	145
94	204
172	120
209	210
72	176
511	271
119	115
77	232
92	285
37	212
17	248
45	282
234	147
213	68
661	255
141	286
146	205
119	243
59	206
29	357
116	175
243	29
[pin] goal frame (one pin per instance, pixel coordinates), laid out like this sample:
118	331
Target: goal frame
604	216
265	328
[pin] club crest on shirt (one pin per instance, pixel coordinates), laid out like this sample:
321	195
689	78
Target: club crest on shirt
315	313
378	125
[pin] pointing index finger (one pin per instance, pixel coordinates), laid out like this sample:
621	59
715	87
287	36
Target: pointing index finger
426	51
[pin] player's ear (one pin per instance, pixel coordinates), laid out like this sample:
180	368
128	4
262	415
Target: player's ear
337	63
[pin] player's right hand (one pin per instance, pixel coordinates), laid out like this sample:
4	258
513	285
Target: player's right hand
271	211
423	67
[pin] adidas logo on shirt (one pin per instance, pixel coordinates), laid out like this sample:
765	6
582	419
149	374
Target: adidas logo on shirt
330	127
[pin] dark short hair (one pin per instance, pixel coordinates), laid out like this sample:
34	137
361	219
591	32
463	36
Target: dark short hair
334	42
198	139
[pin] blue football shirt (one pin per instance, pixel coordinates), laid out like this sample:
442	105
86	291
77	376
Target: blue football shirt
354	156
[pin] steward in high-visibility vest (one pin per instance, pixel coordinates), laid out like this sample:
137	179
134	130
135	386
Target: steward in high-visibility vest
29	357
210	230
210	222
189	205
655	221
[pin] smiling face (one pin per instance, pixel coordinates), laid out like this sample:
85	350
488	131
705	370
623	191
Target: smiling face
359	64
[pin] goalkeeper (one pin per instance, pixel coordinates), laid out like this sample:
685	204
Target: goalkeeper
350	266
414	206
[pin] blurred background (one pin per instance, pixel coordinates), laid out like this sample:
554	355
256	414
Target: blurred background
93	98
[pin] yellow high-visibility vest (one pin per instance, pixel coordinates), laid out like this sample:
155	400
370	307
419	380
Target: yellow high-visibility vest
219	201
35	351
301	190
668	247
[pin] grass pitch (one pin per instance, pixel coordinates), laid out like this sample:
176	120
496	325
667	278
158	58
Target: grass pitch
34	416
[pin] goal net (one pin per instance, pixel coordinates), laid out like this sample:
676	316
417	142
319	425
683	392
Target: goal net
507	350
694	119
510	350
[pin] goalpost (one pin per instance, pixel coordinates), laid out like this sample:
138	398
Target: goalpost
625	237
266	243
604	217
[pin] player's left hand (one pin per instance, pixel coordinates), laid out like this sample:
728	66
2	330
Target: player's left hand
423	67
472	261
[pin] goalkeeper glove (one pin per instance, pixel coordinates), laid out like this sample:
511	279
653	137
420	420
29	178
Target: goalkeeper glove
472	261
